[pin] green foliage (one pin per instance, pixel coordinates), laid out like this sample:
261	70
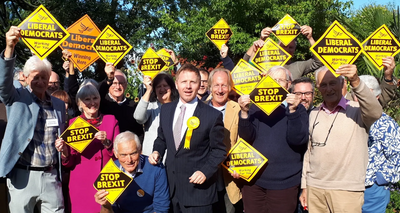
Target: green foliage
394	204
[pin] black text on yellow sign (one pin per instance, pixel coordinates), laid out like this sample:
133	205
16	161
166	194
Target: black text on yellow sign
286	29
270	55
245	77
41	32
244	159
110	46
380	44
220	33
166	57
83	34
113	180
79	134
336	47
268	95
151	63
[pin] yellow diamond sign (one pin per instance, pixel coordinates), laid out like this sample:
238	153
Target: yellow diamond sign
110	46
270	55
336	47
166	57
380	44
79	134
245	160
245	77
286	29
113	180
41	32
220	33
83	34
151	64
268	95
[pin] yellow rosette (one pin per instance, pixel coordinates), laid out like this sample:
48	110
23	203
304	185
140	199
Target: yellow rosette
192	123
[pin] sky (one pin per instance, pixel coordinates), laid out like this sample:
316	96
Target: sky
357	4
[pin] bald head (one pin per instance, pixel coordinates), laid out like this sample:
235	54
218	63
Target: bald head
54	82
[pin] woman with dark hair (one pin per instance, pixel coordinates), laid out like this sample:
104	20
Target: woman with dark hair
86	166
159	91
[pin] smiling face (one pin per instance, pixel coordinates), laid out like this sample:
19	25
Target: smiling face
38	82
163	92
118	86
187	83
330	88
54	82
128	155
305	92
90	105
220	89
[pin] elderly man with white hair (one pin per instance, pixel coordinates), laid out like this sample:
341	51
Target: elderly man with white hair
149	192
384	157
337	155
28	155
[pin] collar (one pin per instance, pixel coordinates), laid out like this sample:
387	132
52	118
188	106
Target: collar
47	98
342	104
139	168
191	103
116	100
218	108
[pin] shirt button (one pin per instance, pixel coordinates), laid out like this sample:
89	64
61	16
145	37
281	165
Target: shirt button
29	139
20	153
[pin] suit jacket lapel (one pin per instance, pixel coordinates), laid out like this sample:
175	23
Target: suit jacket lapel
229	115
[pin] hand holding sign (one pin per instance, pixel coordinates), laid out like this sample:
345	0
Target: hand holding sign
306	31
265	33
110	70
100	198
244	102
61	146
147	83
350	72
12	38
173	56
293	101
389	65
224	51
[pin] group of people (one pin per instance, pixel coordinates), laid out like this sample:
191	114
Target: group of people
337	157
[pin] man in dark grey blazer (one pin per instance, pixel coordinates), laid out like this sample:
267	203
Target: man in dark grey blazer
28	156
193	134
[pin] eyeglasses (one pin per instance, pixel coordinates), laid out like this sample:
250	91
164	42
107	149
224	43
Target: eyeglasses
280	80
319	144
54	83
300	94
115	84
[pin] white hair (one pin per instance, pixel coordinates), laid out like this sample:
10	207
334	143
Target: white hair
35	64
275	69
371	82
127	136
324	68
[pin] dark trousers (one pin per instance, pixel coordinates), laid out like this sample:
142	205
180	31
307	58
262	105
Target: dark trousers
176	207
260	200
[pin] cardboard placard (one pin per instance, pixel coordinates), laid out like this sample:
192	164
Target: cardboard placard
220	33
110	46
245	77
113	180
151	63
83	34
380	44
336	47
270	55
245	160
79	134
42	33
166	57
268	95
286	30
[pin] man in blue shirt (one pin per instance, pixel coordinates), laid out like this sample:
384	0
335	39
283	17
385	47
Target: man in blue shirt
148	191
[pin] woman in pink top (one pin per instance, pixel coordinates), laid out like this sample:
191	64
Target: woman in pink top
87	165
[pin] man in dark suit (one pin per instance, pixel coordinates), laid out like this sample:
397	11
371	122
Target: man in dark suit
193	134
